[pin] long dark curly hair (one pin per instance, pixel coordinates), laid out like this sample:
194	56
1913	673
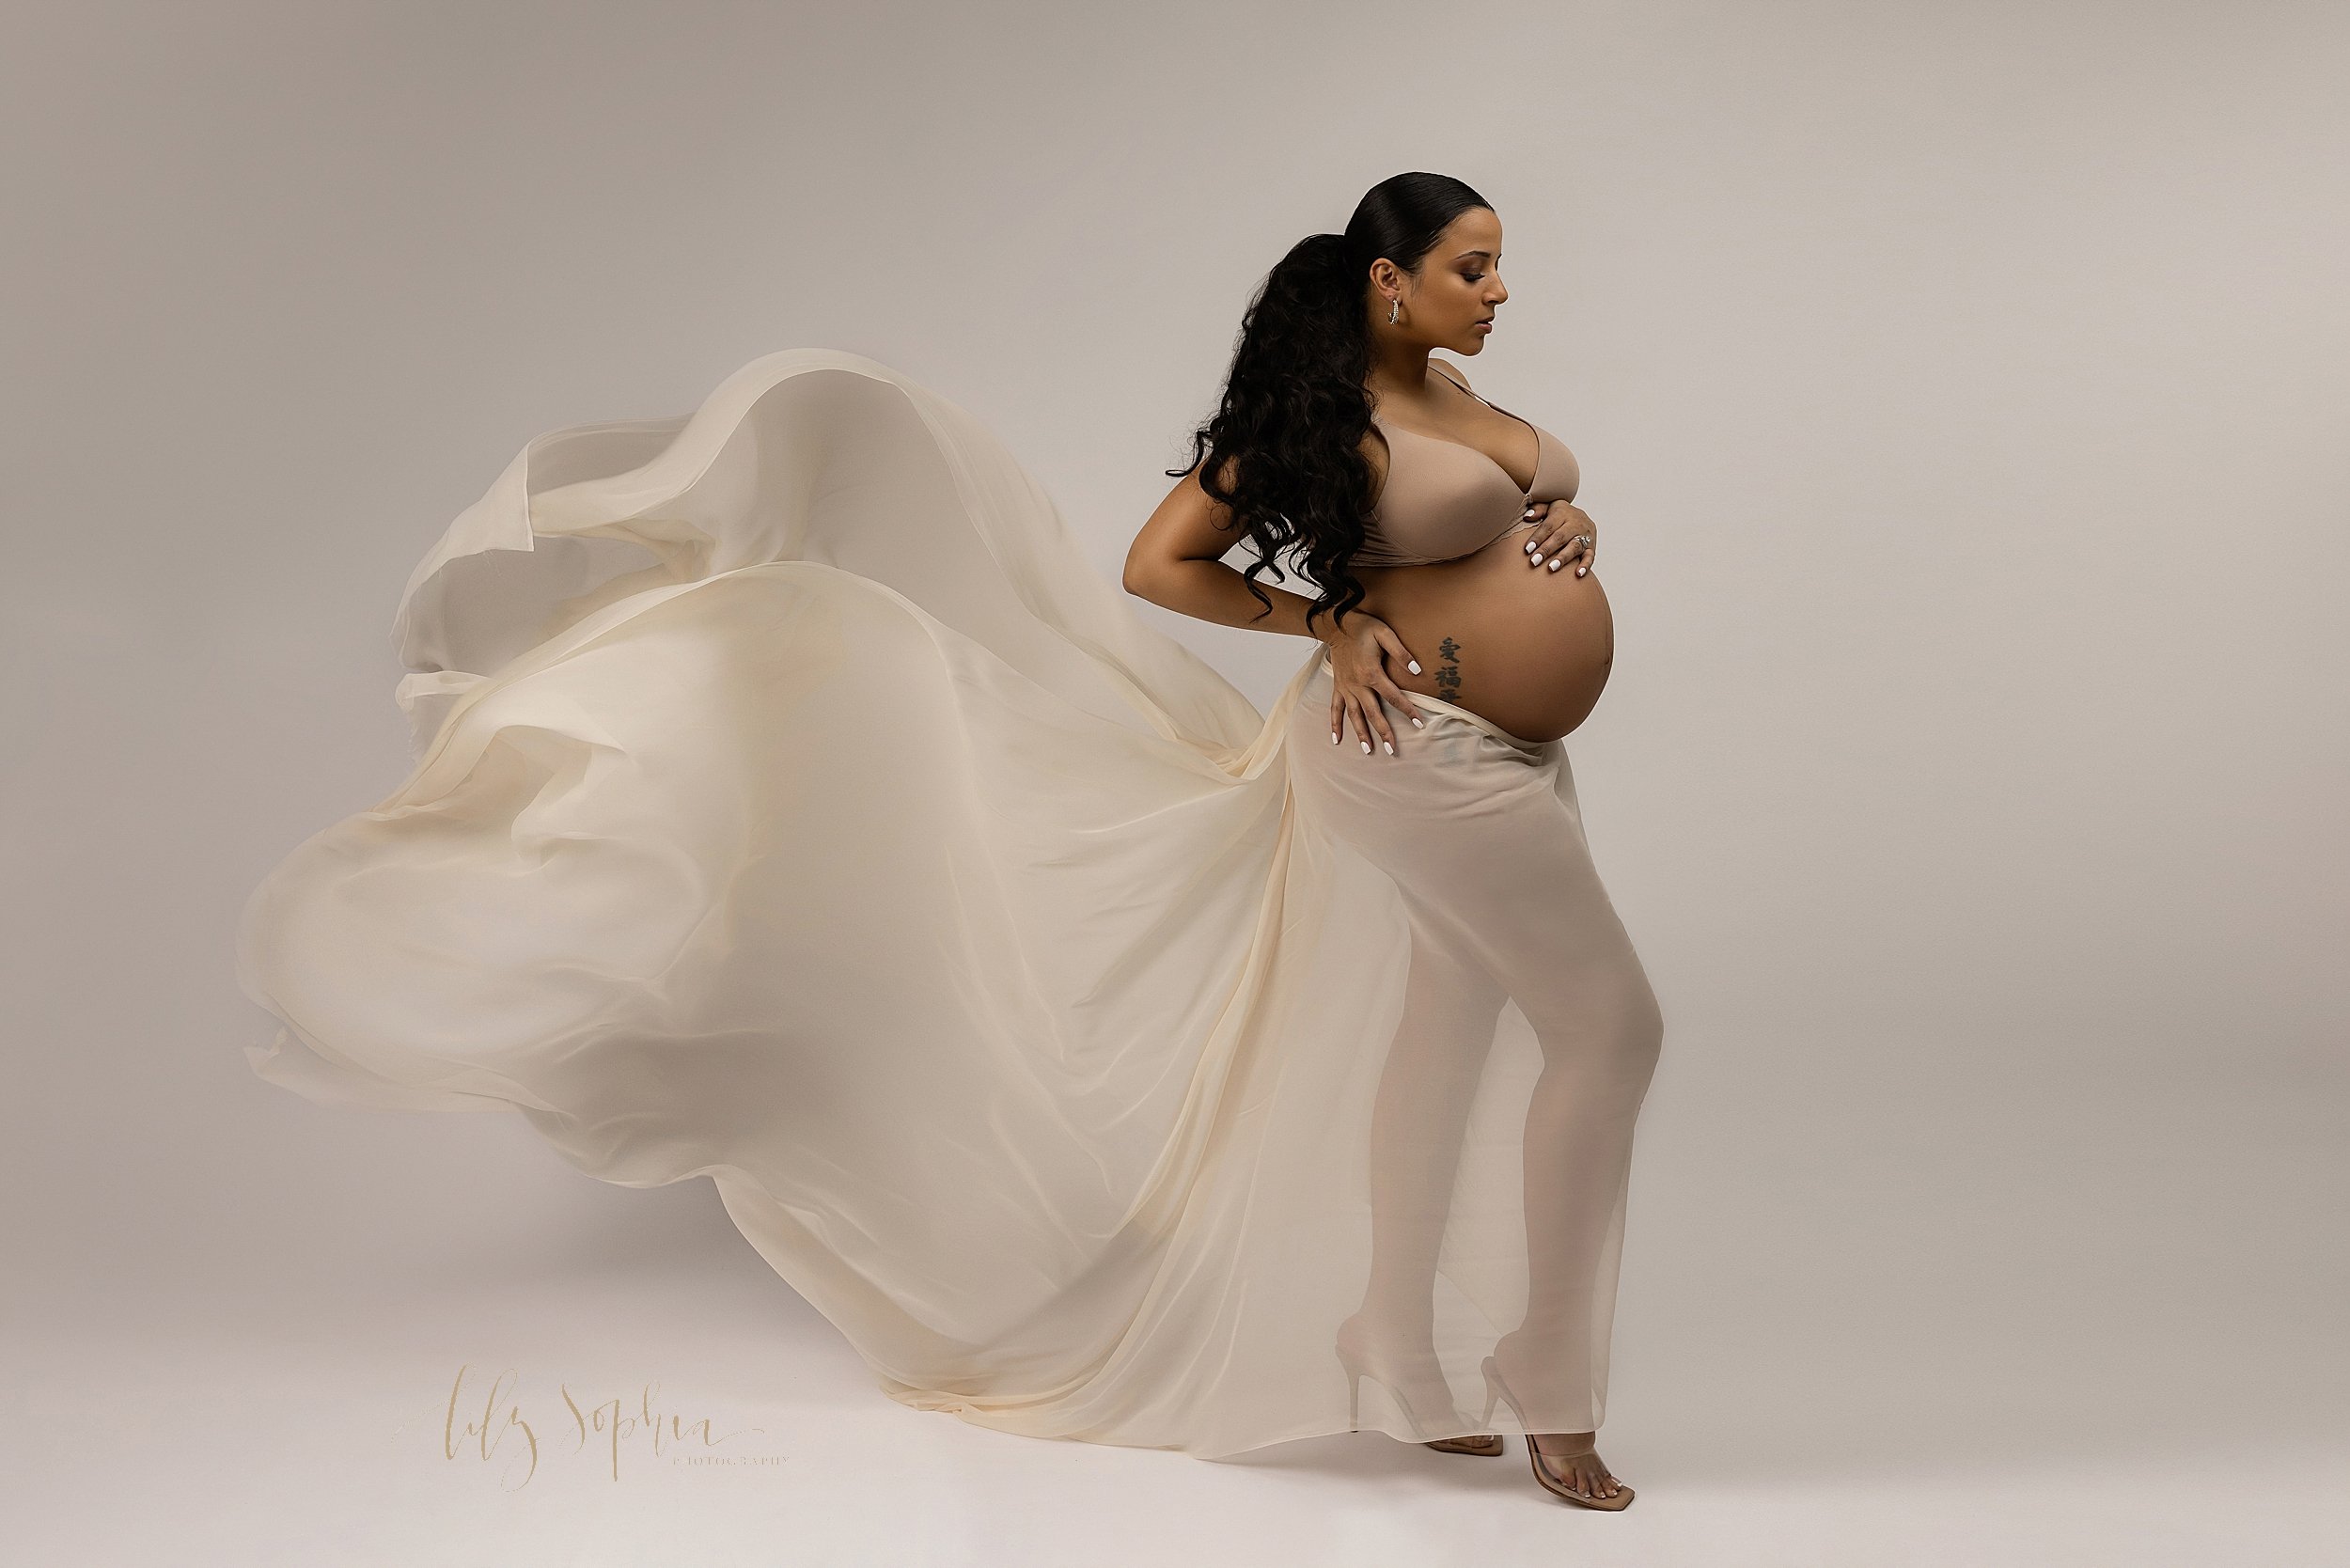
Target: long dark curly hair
1288	434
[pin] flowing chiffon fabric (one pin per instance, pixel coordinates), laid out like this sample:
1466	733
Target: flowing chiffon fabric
793	805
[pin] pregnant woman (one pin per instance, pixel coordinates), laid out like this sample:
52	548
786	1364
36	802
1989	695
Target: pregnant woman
795	805
1481	621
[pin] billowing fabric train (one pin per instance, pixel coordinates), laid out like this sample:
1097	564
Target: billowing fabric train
794	806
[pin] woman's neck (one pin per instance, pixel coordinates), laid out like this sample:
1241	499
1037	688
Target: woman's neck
1399	374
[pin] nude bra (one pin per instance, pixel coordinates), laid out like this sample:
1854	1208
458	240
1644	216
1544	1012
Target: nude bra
1444	499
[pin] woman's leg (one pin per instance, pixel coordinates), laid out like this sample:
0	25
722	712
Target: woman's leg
1483	837
1426	1087
1527	901
1525	898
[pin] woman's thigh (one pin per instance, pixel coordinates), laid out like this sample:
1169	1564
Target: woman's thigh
1482	839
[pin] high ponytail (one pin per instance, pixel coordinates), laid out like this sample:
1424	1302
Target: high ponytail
1284	449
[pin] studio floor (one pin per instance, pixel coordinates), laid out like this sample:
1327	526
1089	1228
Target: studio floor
1841	1362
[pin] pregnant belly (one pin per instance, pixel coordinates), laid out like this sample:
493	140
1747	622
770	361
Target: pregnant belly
1523	646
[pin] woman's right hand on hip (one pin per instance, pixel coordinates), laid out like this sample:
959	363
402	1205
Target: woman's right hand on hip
1359	651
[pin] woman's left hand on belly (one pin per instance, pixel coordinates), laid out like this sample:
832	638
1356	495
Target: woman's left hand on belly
1563	532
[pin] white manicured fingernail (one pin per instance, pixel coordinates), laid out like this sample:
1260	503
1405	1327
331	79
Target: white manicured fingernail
1415	667
1538	558
1334	737
1556	564
1580	569
1390	745
1418	723
1366	748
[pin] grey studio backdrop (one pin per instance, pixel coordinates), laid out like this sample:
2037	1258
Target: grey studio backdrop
1961	392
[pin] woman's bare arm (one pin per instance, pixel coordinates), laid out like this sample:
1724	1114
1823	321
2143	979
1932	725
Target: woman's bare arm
1176	561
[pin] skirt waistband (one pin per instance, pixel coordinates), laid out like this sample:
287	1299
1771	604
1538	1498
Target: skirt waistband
1488	725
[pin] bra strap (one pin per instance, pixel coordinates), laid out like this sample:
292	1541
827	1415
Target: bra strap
1539	452
1438	366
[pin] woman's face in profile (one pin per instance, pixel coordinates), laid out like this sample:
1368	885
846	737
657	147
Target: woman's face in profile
1459	287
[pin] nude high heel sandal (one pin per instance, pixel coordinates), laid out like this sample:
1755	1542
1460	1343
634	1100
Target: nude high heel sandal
1484	1445
1495	1392
1352	1356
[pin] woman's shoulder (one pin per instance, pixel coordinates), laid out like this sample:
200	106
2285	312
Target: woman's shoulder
1453	371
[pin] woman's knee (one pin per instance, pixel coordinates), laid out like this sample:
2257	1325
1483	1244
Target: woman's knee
1611	1021
1644	1027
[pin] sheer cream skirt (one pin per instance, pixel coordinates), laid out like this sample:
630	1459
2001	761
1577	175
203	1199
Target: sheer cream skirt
1500	1135
793	805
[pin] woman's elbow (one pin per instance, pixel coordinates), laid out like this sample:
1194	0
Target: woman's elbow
1141	573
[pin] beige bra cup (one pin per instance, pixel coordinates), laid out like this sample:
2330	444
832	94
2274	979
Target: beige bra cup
1444	499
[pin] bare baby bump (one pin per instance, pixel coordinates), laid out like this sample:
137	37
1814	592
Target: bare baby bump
1523	646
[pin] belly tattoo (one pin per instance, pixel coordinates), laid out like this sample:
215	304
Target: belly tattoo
1449	678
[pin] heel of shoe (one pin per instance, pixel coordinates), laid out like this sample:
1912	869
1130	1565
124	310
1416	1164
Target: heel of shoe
1494	1395
1354	1392
1426	1408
